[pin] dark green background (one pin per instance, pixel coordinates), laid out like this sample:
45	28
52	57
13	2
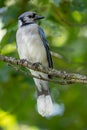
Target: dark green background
65	26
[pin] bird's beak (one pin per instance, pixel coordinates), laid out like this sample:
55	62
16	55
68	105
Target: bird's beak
37	17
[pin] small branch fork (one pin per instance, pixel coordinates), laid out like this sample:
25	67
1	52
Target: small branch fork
62	77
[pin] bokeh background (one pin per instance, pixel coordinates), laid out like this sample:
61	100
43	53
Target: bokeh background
65	26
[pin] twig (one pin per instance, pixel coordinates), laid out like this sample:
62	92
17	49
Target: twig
66	77
56	55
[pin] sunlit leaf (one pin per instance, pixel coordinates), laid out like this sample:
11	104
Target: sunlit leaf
77	16
9	48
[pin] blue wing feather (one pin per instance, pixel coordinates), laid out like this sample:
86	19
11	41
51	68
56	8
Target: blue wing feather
49	58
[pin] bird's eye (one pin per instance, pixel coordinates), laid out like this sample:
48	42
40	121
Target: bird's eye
33	15
30	16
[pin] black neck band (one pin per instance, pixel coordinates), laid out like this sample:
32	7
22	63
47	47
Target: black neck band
25	24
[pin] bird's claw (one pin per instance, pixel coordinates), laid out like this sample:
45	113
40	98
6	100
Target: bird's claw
36	65
23	60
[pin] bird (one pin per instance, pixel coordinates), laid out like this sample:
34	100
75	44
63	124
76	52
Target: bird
33	46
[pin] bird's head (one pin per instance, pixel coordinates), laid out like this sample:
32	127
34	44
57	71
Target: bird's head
28	18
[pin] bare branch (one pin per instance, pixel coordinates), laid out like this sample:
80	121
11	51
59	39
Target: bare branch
62	82
57	55
66	78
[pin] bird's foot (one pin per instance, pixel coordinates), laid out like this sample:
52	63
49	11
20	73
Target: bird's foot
23	60
36	65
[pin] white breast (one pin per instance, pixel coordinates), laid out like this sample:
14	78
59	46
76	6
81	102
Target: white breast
30	45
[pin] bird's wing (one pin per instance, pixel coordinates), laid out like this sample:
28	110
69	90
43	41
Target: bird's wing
49	58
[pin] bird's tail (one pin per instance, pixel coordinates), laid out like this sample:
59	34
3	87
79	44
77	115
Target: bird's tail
44	103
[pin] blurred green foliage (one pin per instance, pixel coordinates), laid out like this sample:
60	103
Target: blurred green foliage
65	25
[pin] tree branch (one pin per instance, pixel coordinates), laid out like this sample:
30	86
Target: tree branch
64	77
57	55
42	78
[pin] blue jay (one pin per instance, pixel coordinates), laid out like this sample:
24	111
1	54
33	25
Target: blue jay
32	45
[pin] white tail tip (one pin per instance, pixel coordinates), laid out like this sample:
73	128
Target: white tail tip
44	105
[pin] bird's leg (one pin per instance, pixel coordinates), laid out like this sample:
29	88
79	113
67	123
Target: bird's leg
23	60
36	65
